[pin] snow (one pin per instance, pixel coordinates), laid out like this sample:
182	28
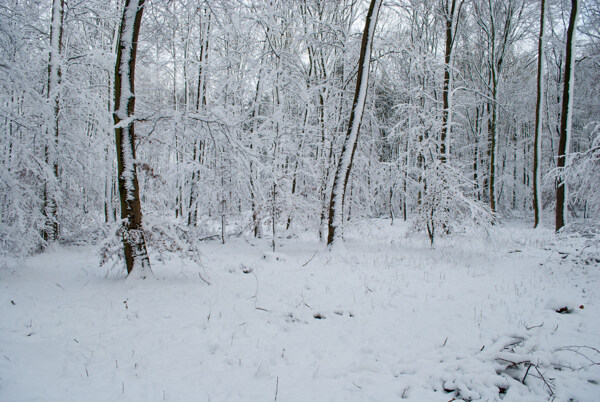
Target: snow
384	318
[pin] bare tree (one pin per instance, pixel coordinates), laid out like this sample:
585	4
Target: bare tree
451	16
498	21
51	229
134	244
566	117
342	174
537	152
199	144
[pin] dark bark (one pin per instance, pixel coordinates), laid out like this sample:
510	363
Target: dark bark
449	14
499	39
200	143
134	244
565	118
538	122
344	167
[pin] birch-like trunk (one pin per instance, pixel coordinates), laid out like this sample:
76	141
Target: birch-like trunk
134	244
349	147
51	230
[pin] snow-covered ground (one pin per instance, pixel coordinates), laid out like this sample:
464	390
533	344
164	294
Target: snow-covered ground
384	317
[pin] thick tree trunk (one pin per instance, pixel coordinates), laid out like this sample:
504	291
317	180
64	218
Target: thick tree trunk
565	118
134	244
537	151
349	147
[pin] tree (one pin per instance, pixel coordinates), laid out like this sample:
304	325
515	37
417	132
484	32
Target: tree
451	16
498	20
199	144
446	203
51	230
537	151
242	109
344	166
566	118
134	244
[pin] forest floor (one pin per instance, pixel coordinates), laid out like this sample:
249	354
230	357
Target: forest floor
512	314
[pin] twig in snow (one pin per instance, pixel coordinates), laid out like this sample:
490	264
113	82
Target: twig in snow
529	365
356	385
276	387
511	363
404	391
526	372
579	347
575	349
535	326
256	292
543	379
204	280
310	259
517	341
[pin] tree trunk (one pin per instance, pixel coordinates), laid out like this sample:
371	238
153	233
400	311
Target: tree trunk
51	230
537	151
449	16
565	119
134	244
200	103
349	147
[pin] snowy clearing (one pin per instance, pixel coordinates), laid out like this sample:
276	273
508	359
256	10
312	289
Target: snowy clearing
382	318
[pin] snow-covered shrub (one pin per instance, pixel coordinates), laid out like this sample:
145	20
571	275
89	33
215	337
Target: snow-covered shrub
515	367
21	218
162	236
583	176
446	203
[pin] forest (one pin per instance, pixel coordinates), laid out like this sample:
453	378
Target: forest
169	139
242	108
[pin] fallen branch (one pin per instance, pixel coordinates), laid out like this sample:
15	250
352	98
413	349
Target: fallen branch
535	326
575	349
310	259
